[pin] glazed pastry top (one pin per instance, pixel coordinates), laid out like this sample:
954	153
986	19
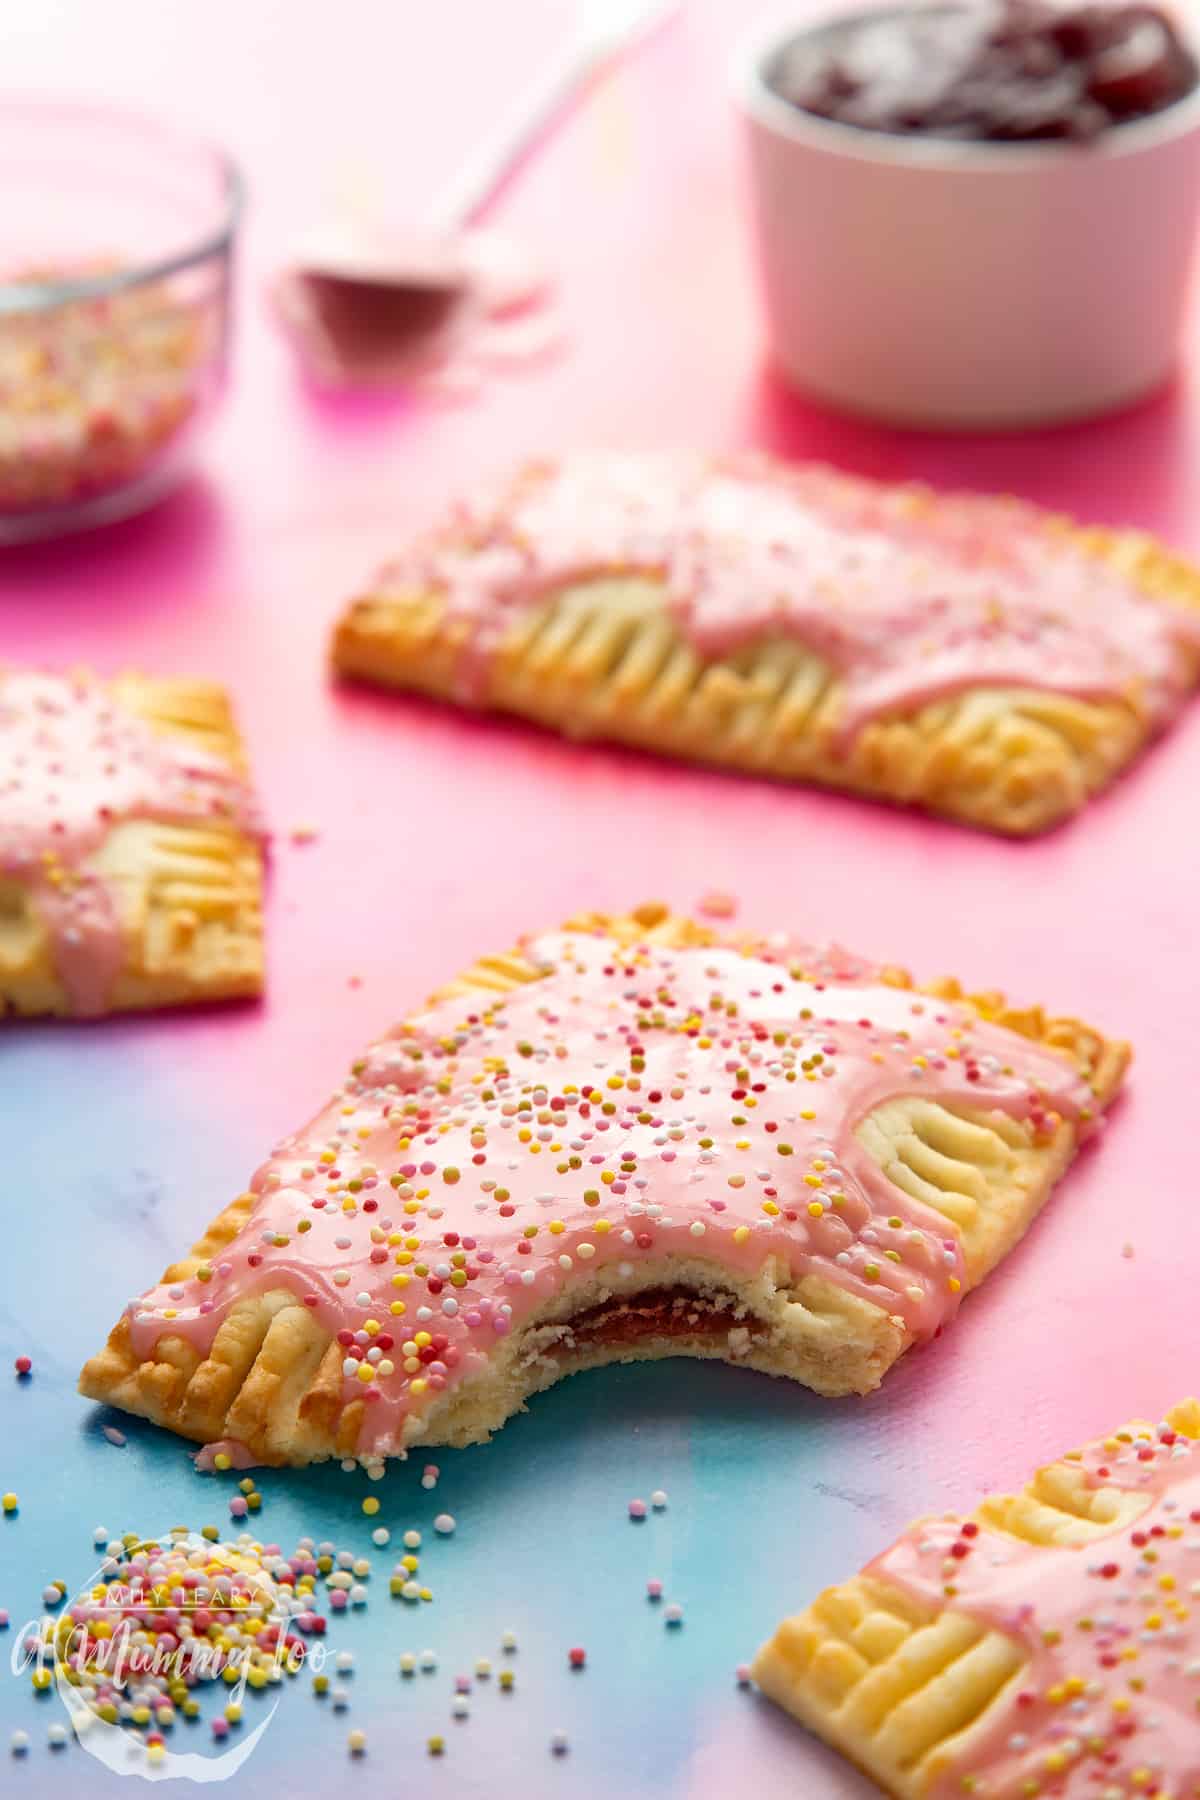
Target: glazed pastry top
908	597
637	1102
75	763
1111	1689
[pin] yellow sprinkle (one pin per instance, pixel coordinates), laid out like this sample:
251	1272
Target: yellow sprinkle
370	1505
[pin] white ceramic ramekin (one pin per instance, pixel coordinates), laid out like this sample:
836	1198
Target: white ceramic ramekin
934	282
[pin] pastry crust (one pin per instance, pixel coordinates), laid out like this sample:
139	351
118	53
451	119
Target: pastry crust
272	1376
605	656
1004	1654
185	892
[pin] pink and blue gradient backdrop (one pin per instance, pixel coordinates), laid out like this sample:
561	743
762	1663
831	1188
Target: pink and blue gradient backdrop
442	836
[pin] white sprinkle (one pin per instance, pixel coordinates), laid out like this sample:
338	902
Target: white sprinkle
343	1662
358	1594
673	1614
444	1524
412	1540
411	1590
56	1735
483	1668
341	1698
460	1706
508	1641
408	1662
19	1742
558	1743
428	1660
381	1536
658	1499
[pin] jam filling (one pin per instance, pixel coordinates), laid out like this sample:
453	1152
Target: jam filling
656	1313
1012	71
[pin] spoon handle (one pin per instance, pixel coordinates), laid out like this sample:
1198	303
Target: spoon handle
604	31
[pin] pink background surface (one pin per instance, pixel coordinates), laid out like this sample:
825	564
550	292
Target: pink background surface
442	836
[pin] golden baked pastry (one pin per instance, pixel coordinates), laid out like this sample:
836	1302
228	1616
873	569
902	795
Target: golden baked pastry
1048	1644
130	846
973	656
629	1138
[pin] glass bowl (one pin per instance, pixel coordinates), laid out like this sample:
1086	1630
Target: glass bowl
116	262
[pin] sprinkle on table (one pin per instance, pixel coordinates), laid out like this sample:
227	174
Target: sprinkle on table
24	1367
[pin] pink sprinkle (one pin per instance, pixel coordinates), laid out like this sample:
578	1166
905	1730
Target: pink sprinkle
462	1684
238	1507
220	1728
337	1600
717	905
115	1437
743	1674
654	1590
637	1509
3	1619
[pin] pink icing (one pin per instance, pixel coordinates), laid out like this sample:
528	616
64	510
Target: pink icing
1121	1725
909	601
633	1104
74	763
